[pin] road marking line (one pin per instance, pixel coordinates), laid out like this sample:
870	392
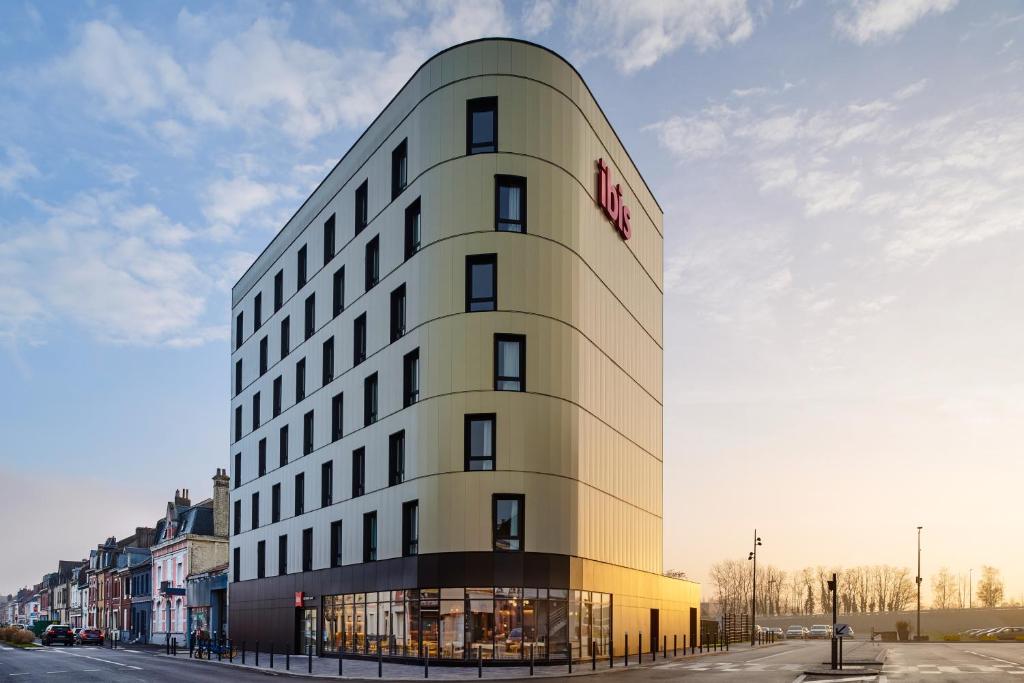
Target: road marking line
799	679
786	652
97	659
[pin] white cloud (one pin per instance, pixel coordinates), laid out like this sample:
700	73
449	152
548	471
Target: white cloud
228	202
909	91
538	17
17	167
693	137
869	21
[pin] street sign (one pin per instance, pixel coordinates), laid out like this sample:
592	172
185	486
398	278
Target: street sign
843	630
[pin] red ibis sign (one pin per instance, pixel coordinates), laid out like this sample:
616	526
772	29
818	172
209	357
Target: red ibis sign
610	199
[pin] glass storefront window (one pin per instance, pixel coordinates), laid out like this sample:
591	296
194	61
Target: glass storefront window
452	627
371	624
429	616
508	623
480	629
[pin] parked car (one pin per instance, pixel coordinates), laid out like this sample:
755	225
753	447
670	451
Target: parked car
58	633
90	636
776	631
1009	632
797	632
820	632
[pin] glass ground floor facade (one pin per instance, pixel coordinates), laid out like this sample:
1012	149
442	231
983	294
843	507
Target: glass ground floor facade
466	623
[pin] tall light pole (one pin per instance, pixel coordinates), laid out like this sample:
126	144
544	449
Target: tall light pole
919	581
753	591
970	588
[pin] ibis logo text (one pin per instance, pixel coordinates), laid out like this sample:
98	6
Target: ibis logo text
610	198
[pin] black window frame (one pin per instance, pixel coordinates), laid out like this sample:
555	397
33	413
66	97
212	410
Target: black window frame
362	206
254	513
238	469
300	379
327	362
308	424
307	549
275	503
500	181
282	554
359	339
255	411
301	268
413	228
261	559
370	540
264	355
498	378
262	457
398	312
282	446
410	528
337	542
239	329
286	336
257	312
521	538
238	423
310	315
371	263
236	523
337	416
396	458
473	305
371	398
469	458
277	395
476	105
327	483
338	292
330	239
278	290
359	472
300	494
238	377
410	384
236	565
399	168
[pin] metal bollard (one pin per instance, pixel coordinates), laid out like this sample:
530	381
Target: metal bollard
426	662
309	658
569	649
271	655
593	656
479	662
640	647
611	653
380	659
257	654
243	652
675	645
341	656
288	660
531	659
625	657
664	647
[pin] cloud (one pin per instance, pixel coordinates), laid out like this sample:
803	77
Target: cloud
16	168
228	202
868	21
693	137
909	91
538	17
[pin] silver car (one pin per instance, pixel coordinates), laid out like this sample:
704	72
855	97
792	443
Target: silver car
796	632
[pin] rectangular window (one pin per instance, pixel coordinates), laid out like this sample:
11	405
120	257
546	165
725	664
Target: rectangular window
337	416
370	537
329	235
278	384
264	355
307	550
238	377
509	362
238	470
358	472
399	168
255	411
482	282
310	315
508	521
326	484
328	361
300	269
410	528
262	457
339	291
257	311
261	559
282	555
236	565
278	290
410	378
300	493
286	336
480	441
336	543
282	445
482	125
300	380
509	203
412	229
238	423
255	516
238	517
359	340
372	262
238	330
398	312
362	206
396	458
307	433
370	400
275	503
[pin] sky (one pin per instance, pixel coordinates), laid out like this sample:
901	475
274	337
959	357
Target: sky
844	225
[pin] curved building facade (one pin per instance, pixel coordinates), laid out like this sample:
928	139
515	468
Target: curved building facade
447	384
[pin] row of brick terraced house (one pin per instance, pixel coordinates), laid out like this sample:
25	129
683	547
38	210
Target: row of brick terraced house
163	581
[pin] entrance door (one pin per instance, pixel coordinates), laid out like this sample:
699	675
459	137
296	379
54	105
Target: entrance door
655	632
305	630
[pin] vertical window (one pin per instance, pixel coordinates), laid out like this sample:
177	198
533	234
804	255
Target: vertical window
282	445
263	457
264	355
326	483
509	517
396	458
358	472
236	569
275	503
277	395
370	400
286	336
339	291
282	554
307	433
300	380
482	125
257	311
255	411
398	312
261	559
238	422
399	168
238	377
329	234
509	203
255	510
238	330
372	262
238	470
310	315
370	537
482	282
359	339
336	543
300	269
278	290
307	550
362	206
238	517
337	416
413	231
509	362
410	528
300	493
328	361
410	378
480	441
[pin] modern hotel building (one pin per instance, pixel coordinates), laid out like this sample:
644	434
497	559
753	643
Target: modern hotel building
447	384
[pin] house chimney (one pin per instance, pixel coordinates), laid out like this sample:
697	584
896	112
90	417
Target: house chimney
220	503
181	498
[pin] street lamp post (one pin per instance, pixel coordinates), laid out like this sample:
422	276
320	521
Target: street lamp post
753	590
919	582
970	588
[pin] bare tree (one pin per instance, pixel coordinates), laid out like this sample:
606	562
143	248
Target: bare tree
990	587
944	590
